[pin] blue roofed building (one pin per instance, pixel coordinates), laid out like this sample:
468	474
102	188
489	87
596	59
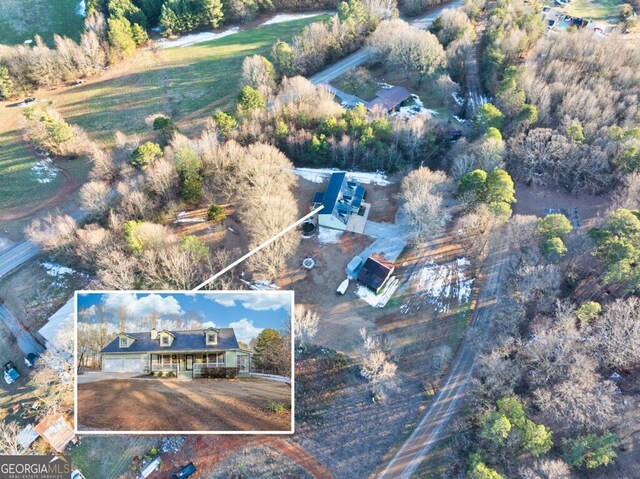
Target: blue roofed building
343	204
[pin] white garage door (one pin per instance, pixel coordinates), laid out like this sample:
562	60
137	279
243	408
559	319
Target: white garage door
113	365
133	365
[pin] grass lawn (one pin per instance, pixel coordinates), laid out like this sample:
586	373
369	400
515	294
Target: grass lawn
21	20
109	456
366	90
187	83
596	10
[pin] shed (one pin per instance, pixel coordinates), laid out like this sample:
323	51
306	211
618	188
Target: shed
389	98
56	431
26	437
149	468
375	272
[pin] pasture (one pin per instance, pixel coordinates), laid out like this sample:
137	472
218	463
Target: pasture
21	20
187	83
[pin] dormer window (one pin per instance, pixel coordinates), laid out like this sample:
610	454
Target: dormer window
211	336
166	338
124	341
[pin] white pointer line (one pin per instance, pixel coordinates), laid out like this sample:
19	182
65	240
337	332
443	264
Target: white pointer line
255	250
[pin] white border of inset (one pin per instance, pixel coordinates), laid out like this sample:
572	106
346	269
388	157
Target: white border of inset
190	292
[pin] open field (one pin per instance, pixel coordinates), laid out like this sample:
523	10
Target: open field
21	20
596	10
109	456
174	405
187	83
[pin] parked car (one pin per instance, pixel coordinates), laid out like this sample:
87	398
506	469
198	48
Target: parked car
77	475
10	372
29	99
30	359
186	471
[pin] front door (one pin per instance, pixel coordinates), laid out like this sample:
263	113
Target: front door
189	365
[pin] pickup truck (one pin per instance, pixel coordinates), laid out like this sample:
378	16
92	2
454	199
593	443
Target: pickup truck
10	372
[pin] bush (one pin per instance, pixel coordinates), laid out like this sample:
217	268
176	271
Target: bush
146	154
220	372
159	374
277	408
171	374
588	312
216	213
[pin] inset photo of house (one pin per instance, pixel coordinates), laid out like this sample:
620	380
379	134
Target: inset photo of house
184	362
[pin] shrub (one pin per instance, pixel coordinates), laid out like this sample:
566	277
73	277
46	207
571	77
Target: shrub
216	213
588	312
171	374
277	407
159	374
146	154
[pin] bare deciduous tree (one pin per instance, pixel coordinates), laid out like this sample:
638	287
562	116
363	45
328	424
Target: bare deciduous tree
305	324
618	333
9	444
423	192
376	367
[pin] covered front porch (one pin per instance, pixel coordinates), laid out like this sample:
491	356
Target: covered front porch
191	364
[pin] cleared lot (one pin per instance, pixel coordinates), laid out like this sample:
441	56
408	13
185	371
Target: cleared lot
172	405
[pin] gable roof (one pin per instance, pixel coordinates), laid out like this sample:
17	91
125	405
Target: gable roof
389	98
191	340
375	271
56	431
330	196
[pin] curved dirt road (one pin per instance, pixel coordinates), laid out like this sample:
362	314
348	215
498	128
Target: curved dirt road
450	397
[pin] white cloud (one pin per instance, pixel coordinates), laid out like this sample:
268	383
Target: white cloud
225	300
256	301
143	306
245	330
208	324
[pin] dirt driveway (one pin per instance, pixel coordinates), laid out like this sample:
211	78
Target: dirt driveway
172	405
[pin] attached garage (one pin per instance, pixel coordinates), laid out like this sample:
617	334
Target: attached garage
113	365
124	364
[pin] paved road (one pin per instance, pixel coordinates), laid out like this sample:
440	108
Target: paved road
26	342
26	250
450	398
362	56
17	255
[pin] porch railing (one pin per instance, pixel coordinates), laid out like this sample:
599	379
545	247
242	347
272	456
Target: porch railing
165	368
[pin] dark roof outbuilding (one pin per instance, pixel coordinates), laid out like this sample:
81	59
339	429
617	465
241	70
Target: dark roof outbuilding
375	272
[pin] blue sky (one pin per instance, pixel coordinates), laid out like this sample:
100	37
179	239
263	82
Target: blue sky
248	312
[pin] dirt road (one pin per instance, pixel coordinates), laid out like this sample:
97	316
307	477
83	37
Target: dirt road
451	396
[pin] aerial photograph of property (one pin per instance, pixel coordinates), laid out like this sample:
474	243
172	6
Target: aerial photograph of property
443	194
183	361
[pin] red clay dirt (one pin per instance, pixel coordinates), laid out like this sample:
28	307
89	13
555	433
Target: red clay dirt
207	451
172	405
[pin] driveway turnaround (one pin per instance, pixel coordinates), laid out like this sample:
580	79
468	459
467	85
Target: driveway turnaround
156	405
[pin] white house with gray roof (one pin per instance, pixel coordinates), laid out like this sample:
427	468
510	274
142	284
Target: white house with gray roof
343	204
185	353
